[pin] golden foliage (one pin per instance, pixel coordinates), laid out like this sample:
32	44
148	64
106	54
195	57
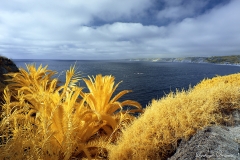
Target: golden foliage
42	120
178	116
101	91
47	121
101	100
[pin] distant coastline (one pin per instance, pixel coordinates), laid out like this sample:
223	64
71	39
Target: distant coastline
233	60
223	60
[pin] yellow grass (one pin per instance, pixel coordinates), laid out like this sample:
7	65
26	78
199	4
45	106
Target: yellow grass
178	116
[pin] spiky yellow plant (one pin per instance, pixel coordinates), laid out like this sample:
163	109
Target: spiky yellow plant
101	100
100	97
57	113
178	116
42	120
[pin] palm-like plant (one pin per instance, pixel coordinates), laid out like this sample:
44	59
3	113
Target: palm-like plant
100	97
58	113
101	100
34	86
55	121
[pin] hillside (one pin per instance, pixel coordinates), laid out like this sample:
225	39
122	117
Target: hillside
224	59
6	66
234	59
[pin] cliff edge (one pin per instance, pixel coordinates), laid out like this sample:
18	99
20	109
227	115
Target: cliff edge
6	66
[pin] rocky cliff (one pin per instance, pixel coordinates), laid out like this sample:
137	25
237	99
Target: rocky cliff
6	66
214	142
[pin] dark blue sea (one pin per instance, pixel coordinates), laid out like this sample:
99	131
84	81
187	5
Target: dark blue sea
147	80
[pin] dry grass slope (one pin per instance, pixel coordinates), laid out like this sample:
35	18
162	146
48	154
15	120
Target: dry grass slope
177	116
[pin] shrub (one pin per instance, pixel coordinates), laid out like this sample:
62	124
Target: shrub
47	121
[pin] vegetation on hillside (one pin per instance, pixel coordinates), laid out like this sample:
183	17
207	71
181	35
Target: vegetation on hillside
235	59
42	119
178	116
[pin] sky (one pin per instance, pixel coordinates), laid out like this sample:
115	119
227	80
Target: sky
118	29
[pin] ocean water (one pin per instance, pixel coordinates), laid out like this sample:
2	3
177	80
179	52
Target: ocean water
147	80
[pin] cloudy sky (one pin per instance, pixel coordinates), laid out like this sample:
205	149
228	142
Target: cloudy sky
113	29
